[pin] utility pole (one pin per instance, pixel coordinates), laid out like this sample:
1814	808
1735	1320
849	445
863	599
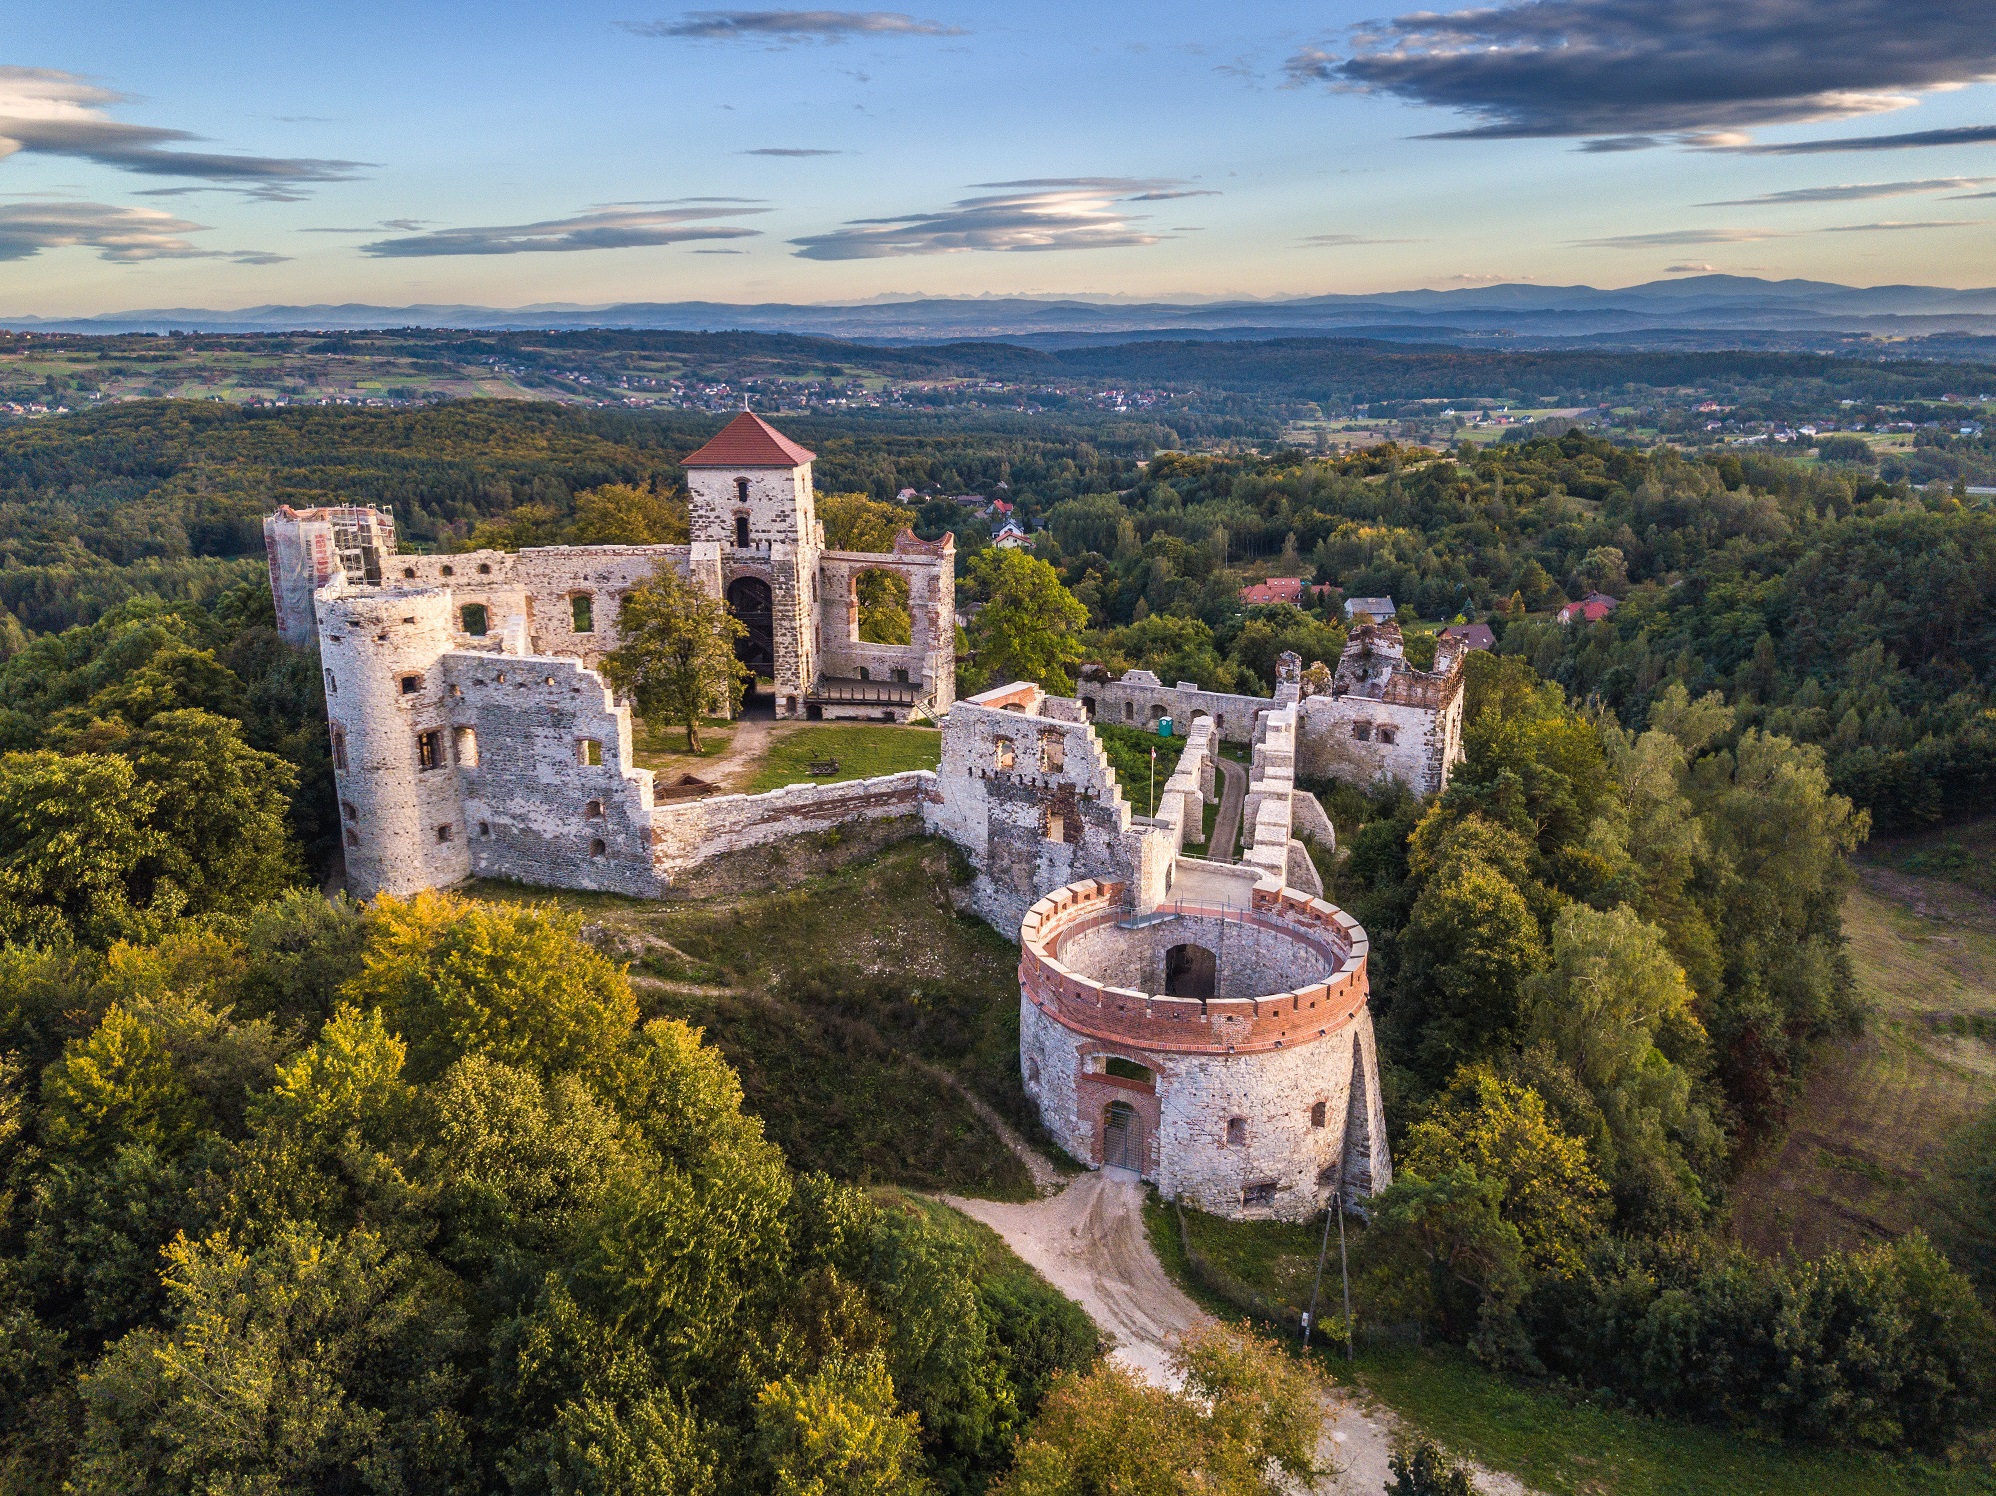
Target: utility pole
1322	1252
1344	1271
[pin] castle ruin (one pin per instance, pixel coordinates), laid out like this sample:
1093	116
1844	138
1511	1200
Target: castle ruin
1202	1023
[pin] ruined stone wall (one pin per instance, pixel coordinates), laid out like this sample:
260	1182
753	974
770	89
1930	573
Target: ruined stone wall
929	658
1426	746
534	808
1257	1106
1031	799
1138	698
1251	960
690	832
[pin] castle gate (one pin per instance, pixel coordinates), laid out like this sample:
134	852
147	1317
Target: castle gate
750	603
1122	1137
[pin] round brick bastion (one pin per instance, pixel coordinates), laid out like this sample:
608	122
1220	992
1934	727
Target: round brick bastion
1226	1054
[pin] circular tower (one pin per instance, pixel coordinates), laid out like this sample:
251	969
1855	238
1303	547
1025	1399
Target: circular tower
394	758
1225	1054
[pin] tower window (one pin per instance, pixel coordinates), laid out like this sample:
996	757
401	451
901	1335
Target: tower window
1259	1194
1317	1115
484	828
430	749
411	684
444	833
588	752
741	490
349	810
332	686
450	571
475	619
1236	1132
353	837
467	747
901	677
598	848
409	573
582	613
593	810
864	673
1003	757
485	568
1362	731
1053	752
741	528
1385	735
340	748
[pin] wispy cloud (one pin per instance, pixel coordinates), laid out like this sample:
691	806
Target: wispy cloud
1850	192
1672	238
607	228
1035	214
1696	267
1906	141
1891	224
49	113
1339	241
1636	72
789	27
124	236
790	150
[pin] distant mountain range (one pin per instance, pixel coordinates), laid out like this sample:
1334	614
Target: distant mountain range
1705	310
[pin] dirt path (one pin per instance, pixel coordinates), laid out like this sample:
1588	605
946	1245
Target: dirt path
1227	824
745	750
1089	1242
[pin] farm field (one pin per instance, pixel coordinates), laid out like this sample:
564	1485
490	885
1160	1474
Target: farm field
1876	1110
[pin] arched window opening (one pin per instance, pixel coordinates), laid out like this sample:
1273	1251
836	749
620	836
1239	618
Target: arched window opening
353	837
598	848
1124	1069
1189	971
741	490
1129	711
1002	757
467	747
484	828
340	748
1362	731
593	810
445	833
1236	1132
1317	1114
349	810
864	673
485	568
475	619
430	750
332	685
450	571
741	532
878	611
408	573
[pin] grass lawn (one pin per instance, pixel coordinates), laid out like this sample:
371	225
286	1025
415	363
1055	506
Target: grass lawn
1876	1111
663	749
1556	1443
838	1002
863	752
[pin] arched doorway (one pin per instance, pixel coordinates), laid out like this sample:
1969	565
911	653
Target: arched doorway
750	603
1189	971
1122	1137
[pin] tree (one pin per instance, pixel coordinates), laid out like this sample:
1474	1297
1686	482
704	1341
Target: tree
117	1086
677	661
1029	627
838	1432
855	522
1424	1468
73	834
1468	949
625	514
1439	1252
1246	1423
1501	1130
518	984
223	807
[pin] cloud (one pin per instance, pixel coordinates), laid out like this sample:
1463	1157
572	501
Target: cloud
1338	241
788	27
1486	280
1888	224
1910	140
1698	267
1849	192
1310	65
607	228
1623	70
50	113
124	236
720	251
789	150
1039	213
1672	237
259	257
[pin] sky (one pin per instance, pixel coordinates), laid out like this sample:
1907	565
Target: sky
222	154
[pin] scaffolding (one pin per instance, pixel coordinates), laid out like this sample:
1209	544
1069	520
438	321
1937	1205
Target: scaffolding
364	539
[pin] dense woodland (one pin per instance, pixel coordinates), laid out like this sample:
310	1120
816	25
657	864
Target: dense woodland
296	1195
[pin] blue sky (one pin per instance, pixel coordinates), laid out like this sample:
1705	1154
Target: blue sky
228	154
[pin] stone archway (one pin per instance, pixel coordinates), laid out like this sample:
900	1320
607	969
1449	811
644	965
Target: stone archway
751	604
1189	971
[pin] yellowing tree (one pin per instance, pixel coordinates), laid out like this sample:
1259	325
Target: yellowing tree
625	514
837	1433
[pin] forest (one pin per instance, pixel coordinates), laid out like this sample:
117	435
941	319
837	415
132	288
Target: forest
297	1194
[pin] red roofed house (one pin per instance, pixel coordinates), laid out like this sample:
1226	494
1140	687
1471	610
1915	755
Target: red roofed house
1590	609
1471	635
1281	590
757	542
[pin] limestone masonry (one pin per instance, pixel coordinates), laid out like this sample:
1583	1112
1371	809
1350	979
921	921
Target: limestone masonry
1202	1023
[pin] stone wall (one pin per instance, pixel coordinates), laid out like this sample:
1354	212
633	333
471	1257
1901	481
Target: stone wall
1138	698
1256	1105
1028	794
688	833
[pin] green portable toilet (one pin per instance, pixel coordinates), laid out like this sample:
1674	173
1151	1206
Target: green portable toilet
1164	727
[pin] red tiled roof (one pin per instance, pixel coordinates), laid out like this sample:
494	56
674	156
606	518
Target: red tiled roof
748	441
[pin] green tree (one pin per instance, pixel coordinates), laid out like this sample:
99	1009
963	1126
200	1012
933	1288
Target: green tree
1501	1130
222	807
117	1085
1440	1254
1424	1468
1469	948
677	660
1029	628
838	1432
625	514
515	983
74	833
